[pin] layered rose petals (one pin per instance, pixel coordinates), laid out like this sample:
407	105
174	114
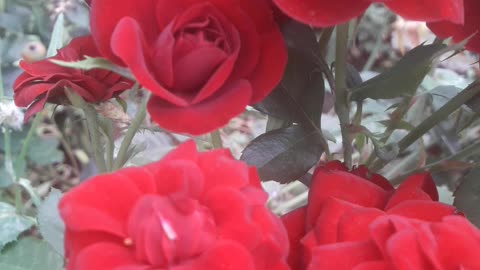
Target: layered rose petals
203	60
188	211
322	13
44	81
396	242
356	220
459	32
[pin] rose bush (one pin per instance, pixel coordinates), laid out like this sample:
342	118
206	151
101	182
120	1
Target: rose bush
44	81
203	60
459	32
323	13
345	211
188	211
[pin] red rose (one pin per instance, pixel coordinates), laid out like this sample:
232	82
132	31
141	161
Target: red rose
188	211
459	32
323	13
399	243
203	60
342	207
44	81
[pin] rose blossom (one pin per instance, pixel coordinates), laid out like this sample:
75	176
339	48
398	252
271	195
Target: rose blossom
203	60
44	81
190	210
344	211
398	243
323	13
459	32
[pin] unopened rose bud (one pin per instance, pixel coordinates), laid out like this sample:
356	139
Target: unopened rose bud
34	51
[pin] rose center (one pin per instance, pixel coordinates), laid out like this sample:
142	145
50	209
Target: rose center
196	43
167	230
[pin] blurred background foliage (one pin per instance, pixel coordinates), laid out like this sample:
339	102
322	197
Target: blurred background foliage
59	147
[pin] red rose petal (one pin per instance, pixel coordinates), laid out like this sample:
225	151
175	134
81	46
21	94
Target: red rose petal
405	243
84	209
343	256
459	32
423	210
415	187
185	151
226	255
106	256
376	265
326	184
335	165
270	67
75	242
354	224
130	45
294	222
456	242
327	224
322	13
221	170
203	117
103	27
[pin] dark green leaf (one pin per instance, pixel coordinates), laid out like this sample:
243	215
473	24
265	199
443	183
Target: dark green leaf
467	196
284	155
404	78
299	96
402	124
353	77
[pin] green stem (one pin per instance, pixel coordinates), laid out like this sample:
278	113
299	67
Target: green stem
462	154
132	130
324	40
216	139
26	143
92	126
110	146
435	118
341	99
8	154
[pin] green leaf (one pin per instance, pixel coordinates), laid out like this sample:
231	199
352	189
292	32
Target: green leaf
12	224
299	96
467	196
56	40
30	254
402	124
383	151
50	224
353	77
44	151
95	62
285	154
6	179
404	78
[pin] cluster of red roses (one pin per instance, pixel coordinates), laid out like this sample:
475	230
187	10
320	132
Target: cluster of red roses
205	60
207	211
